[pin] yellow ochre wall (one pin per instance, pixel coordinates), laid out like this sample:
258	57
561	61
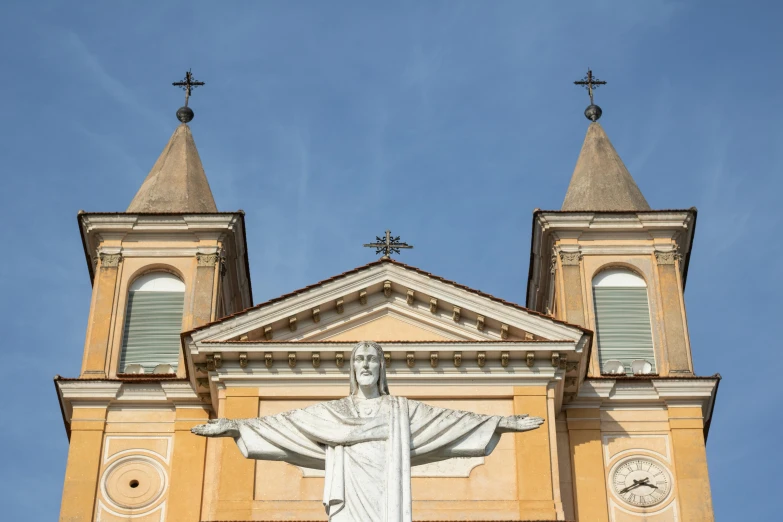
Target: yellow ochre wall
514	482
558	471
598	437
108	444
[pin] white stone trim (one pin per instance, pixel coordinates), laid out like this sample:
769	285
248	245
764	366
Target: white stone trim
202	348
424	288
157	281
618	278
673	393
94	393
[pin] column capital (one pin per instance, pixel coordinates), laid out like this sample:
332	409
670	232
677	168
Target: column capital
570	258
110	260
203	259
667	257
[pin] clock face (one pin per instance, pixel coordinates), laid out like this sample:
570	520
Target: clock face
641	482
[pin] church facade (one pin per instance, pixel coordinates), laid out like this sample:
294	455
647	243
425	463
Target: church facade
600	350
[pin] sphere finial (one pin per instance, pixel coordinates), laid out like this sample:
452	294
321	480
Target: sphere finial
593	112
184	114
590	82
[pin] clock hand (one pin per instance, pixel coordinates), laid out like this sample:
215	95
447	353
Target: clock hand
646	482
629	488
636	484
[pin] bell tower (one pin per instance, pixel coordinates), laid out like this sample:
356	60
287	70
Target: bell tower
610	263
171	262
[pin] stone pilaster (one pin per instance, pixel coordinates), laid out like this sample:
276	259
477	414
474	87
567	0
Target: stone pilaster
690	460
84	460
235	481
677	349
584	434
534	457
187	465
96	346
203	291
572	287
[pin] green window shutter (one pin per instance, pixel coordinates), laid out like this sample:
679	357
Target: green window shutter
153	322
622	318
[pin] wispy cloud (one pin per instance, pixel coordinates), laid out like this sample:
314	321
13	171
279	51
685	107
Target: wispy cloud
113	149
722	193
110	84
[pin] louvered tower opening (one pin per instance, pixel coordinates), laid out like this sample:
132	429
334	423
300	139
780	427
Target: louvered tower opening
623	328
153	323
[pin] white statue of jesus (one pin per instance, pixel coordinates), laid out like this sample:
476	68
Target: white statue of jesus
368	441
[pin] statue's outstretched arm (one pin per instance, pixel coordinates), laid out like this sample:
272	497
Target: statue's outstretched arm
217	428
515	423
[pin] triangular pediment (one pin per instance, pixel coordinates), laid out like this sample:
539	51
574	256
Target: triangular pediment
386	326
387	301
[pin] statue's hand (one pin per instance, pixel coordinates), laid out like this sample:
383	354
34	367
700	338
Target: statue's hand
217	428
514	423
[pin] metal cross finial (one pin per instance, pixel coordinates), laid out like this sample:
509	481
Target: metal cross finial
185	113
188	84
590	82
388	245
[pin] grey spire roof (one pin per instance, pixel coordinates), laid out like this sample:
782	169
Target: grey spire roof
177	182
600	180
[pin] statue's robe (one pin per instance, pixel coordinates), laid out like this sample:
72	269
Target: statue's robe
367	461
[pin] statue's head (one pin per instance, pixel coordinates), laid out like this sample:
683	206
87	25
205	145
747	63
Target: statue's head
368	366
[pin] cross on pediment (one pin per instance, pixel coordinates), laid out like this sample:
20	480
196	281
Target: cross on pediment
387	245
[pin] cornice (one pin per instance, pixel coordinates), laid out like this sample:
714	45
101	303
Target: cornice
616	221
141	222
672	392
94	392
308	381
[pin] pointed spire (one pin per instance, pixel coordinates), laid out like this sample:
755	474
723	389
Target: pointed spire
177	182
600	180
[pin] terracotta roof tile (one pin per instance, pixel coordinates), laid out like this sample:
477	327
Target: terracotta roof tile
488	341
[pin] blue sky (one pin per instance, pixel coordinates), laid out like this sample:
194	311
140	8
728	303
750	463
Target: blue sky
448	122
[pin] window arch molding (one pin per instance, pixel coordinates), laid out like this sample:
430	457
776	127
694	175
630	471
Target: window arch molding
156	268
623	322
157	281
152	324
621	265
619	276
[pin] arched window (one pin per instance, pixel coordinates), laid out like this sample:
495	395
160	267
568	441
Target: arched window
622	321
153	322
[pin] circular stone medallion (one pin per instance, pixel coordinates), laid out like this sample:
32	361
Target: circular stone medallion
133	482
